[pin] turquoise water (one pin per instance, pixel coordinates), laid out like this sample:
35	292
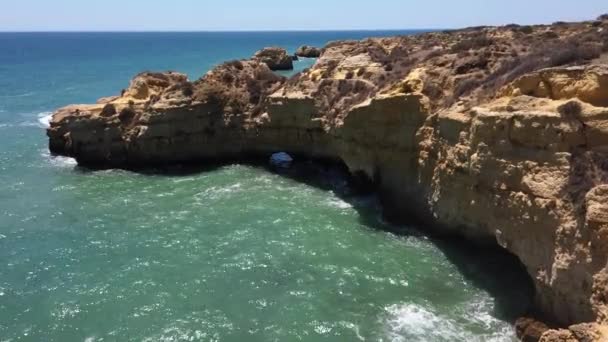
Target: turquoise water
235	253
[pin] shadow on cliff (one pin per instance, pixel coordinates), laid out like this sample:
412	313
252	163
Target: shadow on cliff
487	267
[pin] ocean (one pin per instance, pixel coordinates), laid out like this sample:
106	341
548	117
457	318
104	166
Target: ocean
231	253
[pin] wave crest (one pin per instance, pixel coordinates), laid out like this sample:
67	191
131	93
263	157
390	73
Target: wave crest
44	119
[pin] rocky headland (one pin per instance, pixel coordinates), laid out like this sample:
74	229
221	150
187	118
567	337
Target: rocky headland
498	134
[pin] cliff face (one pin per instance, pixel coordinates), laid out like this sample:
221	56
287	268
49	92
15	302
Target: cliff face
492	133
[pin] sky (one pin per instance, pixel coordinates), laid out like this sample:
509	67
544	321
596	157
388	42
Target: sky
221	15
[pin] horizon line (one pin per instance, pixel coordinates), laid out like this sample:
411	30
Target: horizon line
227	31
427	29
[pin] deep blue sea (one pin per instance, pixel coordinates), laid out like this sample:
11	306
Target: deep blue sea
41	71
233	254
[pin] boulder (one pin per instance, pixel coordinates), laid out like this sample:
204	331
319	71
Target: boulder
530	330
148	84
308	51
276	58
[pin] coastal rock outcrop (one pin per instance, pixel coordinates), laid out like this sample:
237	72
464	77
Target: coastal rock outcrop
275	58
531	330
496	134
308	52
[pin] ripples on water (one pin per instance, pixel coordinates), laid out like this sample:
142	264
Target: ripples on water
233	254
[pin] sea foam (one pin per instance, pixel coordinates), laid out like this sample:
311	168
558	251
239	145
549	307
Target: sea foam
338	203
44	119
28	94
412	322
59	161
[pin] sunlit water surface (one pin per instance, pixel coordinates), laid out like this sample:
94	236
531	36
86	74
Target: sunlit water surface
235	253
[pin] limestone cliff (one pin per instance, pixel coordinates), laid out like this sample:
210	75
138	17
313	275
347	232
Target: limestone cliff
495	133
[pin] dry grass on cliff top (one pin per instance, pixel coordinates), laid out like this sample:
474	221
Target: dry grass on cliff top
470	64
477	62
467	66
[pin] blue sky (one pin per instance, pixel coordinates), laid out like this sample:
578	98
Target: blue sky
198	15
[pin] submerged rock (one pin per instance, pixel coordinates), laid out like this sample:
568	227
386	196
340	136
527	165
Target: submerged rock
510	146
276	58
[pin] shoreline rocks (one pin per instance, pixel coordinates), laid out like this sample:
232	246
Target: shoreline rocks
531	330
509	146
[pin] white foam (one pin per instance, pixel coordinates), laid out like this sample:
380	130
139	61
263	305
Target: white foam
66	310
185	179
59	161
19	95
44	119
217	192
411	322
338	203
63	161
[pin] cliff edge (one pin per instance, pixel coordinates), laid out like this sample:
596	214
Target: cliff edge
494	133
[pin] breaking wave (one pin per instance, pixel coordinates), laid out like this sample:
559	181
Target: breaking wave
44	119
59	161
411	322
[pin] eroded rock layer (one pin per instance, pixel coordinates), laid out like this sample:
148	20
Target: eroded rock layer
497	134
